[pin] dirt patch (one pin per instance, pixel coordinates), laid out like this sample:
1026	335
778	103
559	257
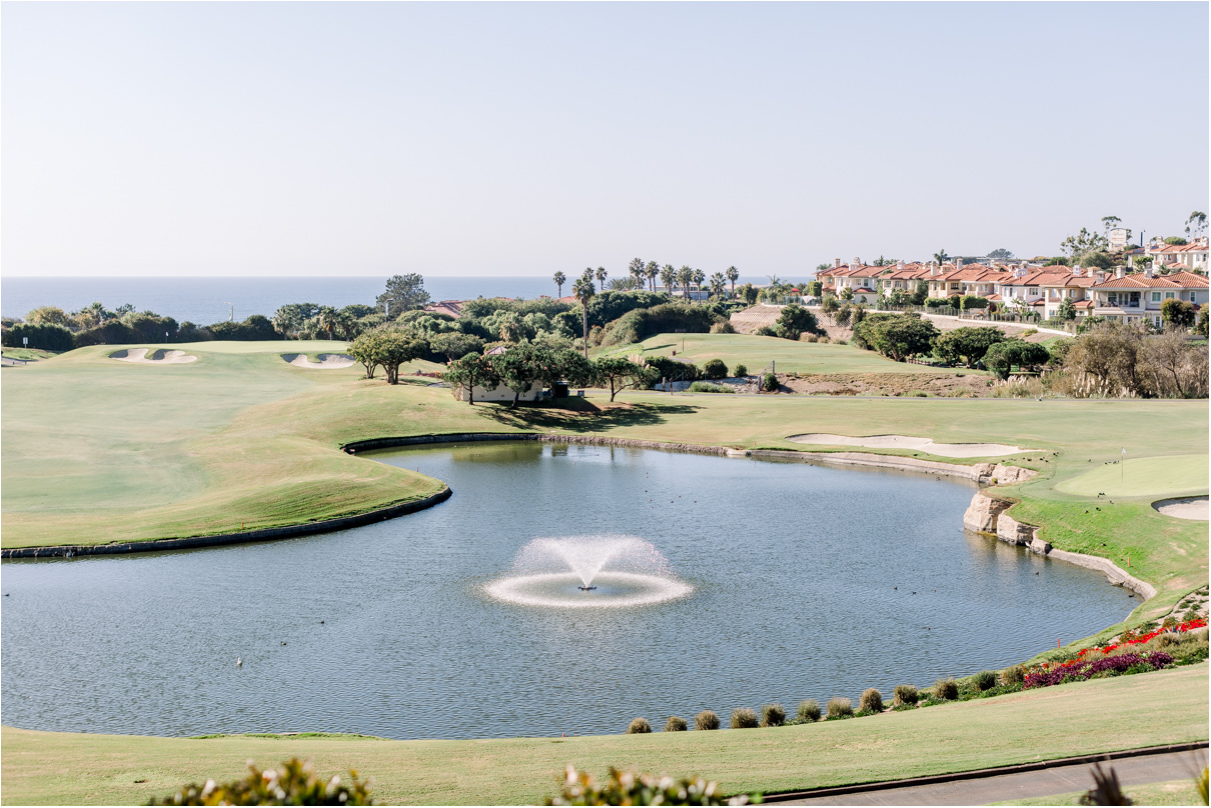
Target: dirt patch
959	384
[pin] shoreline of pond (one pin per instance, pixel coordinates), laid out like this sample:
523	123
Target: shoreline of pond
982	474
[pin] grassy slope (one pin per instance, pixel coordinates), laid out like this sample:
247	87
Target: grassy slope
98	450
757	352
1081	718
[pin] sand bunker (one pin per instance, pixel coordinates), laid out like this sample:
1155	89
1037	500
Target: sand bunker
158	357
905	442
328	361
1184	508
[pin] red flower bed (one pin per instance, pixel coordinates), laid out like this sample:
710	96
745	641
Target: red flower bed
1049	673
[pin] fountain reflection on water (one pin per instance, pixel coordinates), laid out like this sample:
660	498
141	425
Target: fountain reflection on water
589	572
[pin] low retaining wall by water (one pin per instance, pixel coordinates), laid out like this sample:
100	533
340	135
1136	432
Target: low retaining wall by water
267	534
987	514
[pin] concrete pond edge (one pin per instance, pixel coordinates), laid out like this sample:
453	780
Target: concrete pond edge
220	539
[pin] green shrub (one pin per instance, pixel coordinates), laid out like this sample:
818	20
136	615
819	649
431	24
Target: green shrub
744	718
633	788
770	383
715	369
639	726
905	695
765	331
740	370
707	719
44	336
985	679
1014	675
724	327
773	715
946	690
839	708
641	323
871	701
294	784
809	710
707	387
675	724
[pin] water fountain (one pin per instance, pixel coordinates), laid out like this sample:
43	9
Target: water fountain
589	572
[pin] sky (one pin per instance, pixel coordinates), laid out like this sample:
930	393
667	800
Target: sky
328	139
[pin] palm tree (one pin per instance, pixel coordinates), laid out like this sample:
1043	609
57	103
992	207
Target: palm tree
668	277
326	318
685	276
651	271
718	286
584	291
560	279
941	257
636	270
733	275
601	276
699	277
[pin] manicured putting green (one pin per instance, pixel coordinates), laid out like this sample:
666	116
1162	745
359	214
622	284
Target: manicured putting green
1142	477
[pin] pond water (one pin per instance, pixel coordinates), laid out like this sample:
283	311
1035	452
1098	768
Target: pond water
804	582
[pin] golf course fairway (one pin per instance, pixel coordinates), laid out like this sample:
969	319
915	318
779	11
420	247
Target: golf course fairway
97	451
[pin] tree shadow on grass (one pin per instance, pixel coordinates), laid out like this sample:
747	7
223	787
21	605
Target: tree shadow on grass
582	416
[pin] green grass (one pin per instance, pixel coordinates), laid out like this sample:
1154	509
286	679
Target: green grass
1172	792
240	440
99	450
1142	477
1082	718
27	353
757	352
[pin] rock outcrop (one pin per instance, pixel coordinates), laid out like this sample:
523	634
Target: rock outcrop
1000	474
1014	532
982	514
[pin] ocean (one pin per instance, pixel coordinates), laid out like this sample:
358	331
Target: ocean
210	300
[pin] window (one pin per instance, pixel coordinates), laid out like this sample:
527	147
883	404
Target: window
1169	295
1192	297
1156	297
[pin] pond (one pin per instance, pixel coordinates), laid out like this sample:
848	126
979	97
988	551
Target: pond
793	581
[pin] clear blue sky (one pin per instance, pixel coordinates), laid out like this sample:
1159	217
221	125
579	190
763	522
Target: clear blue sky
519	139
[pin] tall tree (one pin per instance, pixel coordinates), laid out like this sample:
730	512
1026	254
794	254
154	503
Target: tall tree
732	275
471	371
1196	225
718	285
652	271
406	292
560	279
635	268
618	374
668	277
601	276
685	276
698	277
584	291
1109	223
941	257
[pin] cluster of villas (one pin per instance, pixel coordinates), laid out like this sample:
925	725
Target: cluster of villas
1113	295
